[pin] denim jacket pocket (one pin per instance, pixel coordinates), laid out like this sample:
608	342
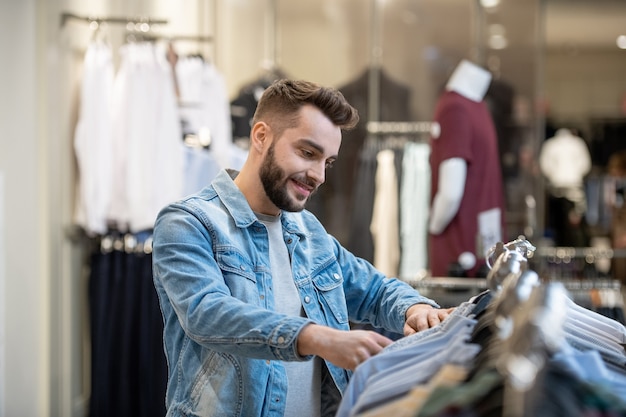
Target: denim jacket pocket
231	260
218	386
329	287
239	274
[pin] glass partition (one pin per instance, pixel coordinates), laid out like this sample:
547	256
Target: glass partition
394	57
584	104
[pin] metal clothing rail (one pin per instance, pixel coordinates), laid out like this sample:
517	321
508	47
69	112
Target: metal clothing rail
138	24
448	283
385	128
566	252
65	17
190	38
453	283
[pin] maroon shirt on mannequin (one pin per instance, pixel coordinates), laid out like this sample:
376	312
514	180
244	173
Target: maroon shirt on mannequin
467	132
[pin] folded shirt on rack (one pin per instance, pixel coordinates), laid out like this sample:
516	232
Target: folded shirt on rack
589	366
399	380
405	350
607	326
449	375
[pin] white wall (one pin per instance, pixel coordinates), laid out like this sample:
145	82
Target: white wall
26	363
2	301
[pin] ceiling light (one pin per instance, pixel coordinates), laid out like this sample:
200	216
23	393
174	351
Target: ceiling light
488	4
621	41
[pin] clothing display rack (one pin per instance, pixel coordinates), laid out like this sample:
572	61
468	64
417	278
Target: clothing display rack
137	243
574	268
520	348
135	24
65	17
128	368
576	262
402	128
395	135
565	252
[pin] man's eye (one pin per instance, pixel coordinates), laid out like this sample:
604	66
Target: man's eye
329	164
307	154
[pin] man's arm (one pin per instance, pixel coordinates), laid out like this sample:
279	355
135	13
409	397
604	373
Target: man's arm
343	348
347	349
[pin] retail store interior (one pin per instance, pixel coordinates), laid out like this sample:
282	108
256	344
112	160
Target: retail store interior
556	74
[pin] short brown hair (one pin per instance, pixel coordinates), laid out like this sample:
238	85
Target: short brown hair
282	100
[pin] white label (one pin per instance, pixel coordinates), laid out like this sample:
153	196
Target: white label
489	230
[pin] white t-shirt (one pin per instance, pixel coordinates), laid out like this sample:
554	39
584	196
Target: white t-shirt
304	378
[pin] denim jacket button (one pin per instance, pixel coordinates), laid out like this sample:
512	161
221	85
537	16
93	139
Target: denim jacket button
281	340
242	267
336	276
307	299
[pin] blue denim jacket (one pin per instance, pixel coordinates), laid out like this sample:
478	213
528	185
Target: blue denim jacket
223	341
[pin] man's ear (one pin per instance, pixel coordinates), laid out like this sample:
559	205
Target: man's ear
259	135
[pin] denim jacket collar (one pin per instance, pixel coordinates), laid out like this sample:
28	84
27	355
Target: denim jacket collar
240	210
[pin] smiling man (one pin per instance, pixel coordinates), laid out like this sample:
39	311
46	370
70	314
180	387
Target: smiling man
256	296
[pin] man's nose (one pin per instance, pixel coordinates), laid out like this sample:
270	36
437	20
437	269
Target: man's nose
317	172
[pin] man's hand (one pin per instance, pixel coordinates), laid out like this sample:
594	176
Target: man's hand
346	349
423	316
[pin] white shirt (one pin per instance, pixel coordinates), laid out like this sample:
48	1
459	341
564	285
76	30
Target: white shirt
148	142
565	160
93	140
385	222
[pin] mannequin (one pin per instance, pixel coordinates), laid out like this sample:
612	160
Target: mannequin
565	160
467	199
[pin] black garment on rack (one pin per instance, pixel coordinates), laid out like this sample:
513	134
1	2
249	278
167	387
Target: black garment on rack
243	106
129	369
500	98
607	137
360	241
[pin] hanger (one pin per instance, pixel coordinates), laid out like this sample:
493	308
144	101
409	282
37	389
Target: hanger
508	266
515	292
538	331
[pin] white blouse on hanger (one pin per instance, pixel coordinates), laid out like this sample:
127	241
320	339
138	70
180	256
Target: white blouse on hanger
148	141
93	140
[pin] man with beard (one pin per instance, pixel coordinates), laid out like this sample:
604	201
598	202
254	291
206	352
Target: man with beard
256	296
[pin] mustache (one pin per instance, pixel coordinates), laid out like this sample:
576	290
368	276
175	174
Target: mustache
309	182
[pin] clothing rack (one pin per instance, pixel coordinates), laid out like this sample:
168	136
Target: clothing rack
451	283
189	38
395	135
135	24
130	243
590	253
479	284
403	128
153	36
65	17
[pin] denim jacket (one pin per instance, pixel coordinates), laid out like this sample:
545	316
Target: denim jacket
223	341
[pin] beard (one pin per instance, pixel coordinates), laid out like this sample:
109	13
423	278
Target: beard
274	182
